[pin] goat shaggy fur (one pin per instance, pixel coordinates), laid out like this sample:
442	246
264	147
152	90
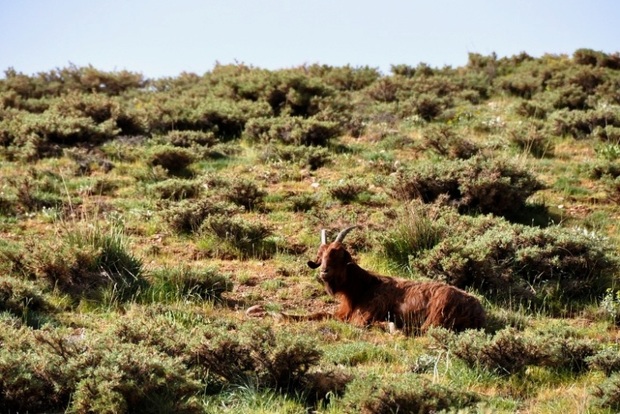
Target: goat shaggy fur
365	297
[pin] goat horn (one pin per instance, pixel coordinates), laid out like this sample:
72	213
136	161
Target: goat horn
323	237
343	233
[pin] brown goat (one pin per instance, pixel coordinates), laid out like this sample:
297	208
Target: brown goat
412	306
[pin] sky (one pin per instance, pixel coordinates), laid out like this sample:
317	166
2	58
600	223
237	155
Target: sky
160	38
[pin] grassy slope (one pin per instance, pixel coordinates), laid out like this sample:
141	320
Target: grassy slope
283	282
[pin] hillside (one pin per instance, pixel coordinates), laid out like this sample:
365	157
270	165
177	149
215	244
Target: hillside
140	218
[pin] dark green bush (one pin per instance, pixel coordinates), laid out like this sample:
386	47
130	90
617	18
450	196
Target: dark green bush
291	130
406	393
523	85
552	267
607	394
403	70
606	360
32	136
302	202
62	369
286	92
476	184
348	191
594	58
239	237
532	140
71	119
187	216
563	348
23	299
174	160
505	353
384	89
345	78
37	192
246	194
533	109
581	124
188	139
443	141
175	189
600	170
280	363
8	206
608	133
427	106
308	157
224	118
31	377
134	378
509	352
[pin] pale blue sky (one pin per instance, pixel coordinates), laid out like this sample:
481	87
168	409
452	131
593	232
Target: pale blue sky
164	38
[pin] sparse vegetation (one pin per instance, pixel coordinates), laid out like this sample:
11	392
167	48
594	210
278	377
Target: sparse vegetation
140	218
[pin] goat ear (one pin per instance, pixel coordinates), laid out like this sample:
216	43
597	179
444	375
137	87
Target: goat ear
313	265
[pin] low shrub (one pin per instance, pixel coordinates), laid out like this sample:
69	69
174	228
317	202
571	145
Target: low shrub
606	360
188	138
563	348
302	202
426	105
551	267
70	119
174	160
610	304
134	378
187	216
291	131
33	377
63	369
246	193
175	189
607	394
510	352
23	299
309	157
531	140
595	58
238	237
384	89
348	191
535	109
407	393
523	85
260	358
505	353
36	194
582	124
473	185
223	117
443	141
611	135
